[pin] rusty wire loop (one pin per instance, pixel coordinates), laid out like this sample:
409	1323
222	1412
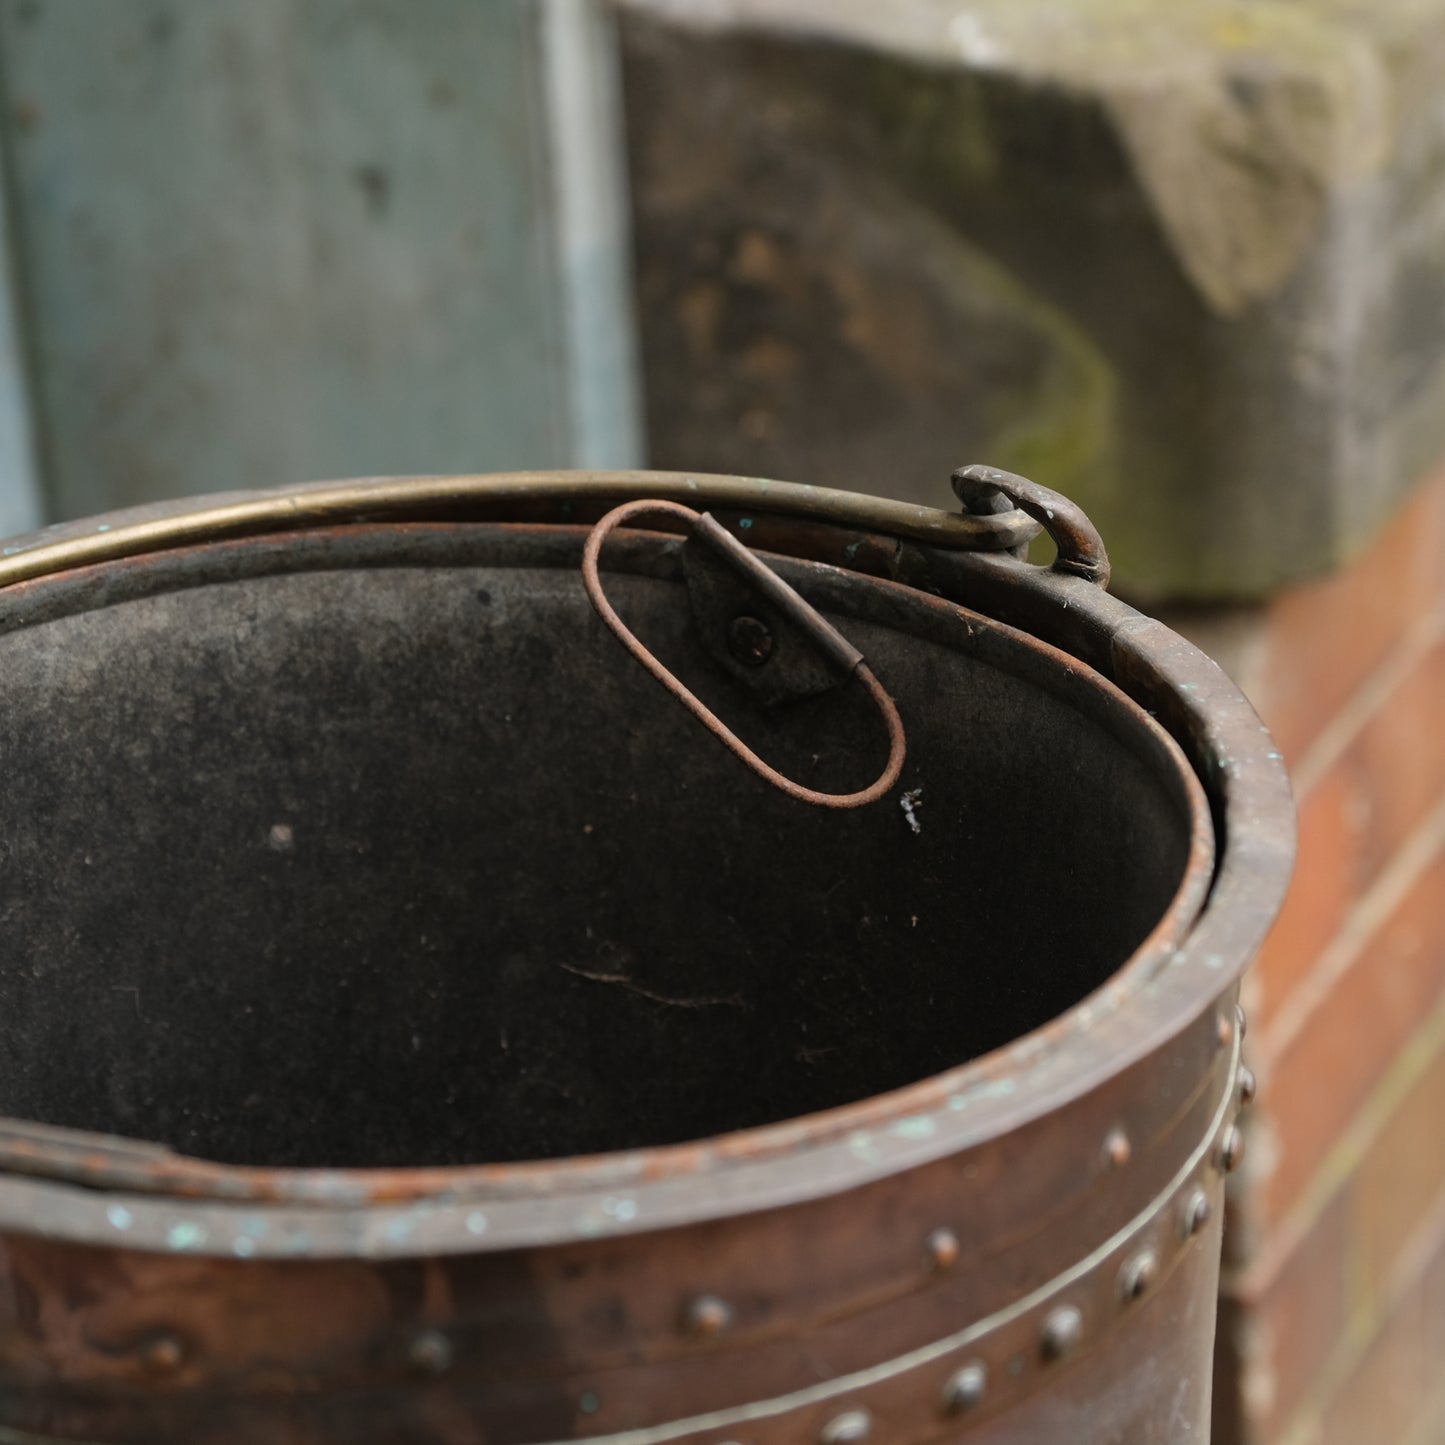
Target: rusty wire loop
824	632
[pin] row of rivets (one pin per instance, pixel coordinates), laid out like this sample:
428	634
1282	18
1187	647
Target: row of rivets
850	1428
431	1353
162	1354
1228	1024
1138	1274
1060	1335
965	1388
1231	1149
1117	1149
1062	1330
707	1316
1195	1214
943	1249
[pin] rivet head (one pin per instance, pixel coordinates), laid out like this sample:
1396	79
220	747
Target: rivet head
965	1388
1248	1085
1231	1150
1062	1331
750	641
1241	1019
1137	1275
943	1249
1117	1149
162	1354
707	1316
1195	1214
430	1353
849	1428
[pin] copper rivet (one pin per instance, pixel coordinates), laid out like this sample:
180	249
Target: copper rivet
1241	1019
1062	1332
1231	1150
1248	1086
1196	1212
943	1248
848	1428
162	1354
1117	1149
1226	1030
430	1353
965	1387
1137	1275
750	641
708	1316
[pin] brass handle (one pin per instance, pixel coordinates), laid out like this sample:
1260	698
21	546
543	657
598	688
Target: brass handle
1081	549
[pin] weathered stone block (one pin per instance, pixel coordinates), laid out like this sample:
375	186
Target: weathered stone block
1185	262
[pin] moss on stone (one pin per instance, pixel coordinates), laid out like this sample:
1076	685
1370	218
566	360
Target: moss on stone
1188	250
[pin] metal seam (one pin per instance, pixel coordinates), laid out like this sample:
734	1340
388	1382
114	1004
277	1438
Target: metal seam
928	1354
859	1381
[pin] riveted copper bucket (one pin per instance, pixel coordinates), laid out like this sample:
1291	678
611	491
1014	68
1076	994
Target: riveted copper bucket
417	1029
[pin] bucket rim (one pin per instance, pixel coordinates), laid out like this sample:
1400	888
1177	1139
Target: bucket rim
106	1187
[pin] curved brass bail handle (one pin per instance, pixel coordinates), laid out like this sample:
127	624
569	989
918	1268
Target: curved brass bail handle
1081	549
777	591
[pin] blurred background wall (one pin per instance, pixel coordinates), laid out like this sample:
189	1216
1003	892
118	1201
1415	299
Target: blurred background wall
253	242
1185	262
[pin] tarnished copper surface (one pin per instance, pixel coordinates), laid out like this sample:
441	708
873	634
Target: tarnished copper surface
1020	1248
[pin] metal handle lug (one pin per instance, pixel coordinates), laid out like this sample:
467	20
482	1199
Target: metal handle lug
788	602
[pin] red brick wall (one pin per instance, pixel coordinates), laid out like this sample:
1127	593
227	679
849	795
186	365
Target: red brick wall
1333	1320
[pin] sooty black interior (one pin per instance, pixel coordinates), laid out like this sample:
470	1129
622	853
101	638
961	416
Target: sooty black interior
385	853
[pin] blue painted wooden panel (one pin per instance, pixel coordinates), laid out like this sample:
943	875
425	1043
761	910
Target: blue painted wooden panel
265	240
20	508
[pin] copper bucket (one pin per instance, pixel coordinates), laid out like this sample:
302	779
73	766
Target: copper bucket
417	1029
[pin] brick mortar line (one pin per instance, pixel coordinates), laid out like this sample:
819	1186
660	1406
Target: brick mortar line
1430	1428
1427	1241
1339	1166
1363	703
1363	921
1425	1245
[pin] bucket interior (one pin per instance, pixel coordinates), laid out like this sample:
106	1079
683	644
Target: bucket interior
382	852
